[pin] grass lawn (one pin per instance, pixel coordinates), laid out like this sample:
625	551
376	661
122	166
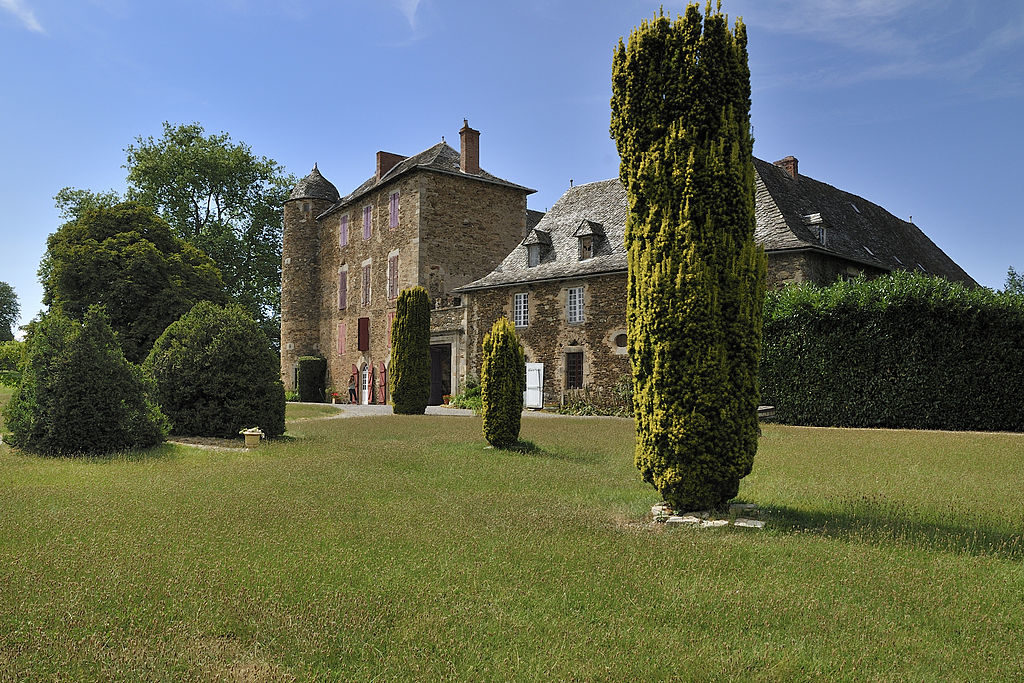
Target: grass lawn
399	547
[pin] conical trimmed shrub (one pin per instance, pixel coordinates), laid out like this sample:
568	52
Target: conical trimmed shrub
502	383
78	395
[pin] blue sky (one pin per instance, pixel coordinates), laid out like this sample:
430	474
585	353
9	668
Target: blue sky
914	104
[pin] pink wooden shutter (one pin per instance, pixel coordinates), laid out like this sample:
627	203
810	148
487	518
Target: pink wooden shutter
393	211
343	231
371	387
383	384
364	334
367	214
342	290
341	338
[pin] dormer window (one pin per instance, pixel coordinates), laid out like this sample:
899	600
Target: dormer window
532	255
588	233
537	243
586	247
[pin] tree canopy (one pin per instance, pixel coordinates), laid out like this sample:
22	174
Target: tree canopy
125	258
216	195
10	309
1014	282
220	197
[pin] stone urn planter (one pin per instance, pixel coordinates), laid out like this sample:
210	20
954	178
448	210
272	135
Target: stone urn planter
252	436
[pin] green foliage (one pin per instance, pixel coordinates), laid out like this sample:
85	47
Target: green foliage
220	197
470	397
11	356
291	396
73	203
409	372
616	401
10	309
681	123
1014	282
124	258
502	383
216	373
905	350
312	379
78	395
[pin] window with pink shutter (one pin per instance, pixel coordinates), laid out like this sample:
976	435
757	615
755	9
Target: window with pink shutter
393	211
393	277
366	285
343	231
341	338
367	216
342	290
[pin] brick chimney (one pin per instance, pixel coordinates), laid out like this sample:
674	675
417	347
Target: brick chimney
788	164
385	162
469	155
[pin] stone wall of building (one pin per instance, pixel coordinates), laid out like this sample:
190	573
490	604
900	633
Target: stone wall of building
468	227
810	266
549	336
300	285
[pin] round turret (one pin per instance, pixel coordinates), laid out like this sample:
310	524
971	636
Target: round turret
315	186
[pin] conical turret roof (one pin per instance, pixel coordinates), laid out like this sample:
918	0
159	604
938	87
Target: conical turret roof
315	186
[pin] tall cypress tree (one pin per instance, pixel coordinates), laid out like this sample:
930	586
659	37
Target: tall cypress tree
502	383
409	372
681	122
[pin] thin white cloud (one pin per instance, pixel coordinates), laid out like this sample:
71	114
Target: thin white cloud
408	9
23	13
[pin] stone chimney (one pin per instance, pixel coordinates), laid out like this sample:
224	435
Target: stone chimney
788	164
385	162
469	155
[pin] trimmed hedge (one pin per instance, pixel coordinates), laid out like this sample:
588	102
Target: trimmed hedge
409	371
502	383
78	395
312	379
216	373
905	350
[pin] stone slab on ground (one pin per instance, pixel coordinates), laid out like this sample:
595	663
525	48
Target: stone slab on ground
749	523
681	520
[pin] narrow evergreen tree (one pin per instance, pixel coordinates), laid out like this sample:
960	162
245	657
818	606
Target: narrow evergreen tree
502	383
409	372
681	123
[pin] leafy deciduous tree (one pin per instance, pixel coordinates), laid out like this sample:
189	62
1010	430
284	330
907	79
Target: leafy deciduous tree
409	372
217	195
78	395
502	383
681	123
125	258
1014	282
10	309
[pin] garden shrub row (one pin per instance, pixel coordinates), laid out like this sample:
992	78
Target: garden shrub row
905	350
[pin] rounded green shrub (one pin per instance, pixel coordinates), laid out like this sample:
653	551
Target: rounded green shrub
502	383
216	373
312	379
409	372
78	395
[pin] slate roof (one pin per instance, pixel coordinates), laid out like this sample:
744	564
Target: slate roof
603	203
789	213
441	158
314	186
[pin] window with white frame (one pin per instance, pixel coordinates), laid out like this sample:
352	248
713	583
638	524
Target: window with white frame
343	231
366	283
367	218
521	309
574	305
393	210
